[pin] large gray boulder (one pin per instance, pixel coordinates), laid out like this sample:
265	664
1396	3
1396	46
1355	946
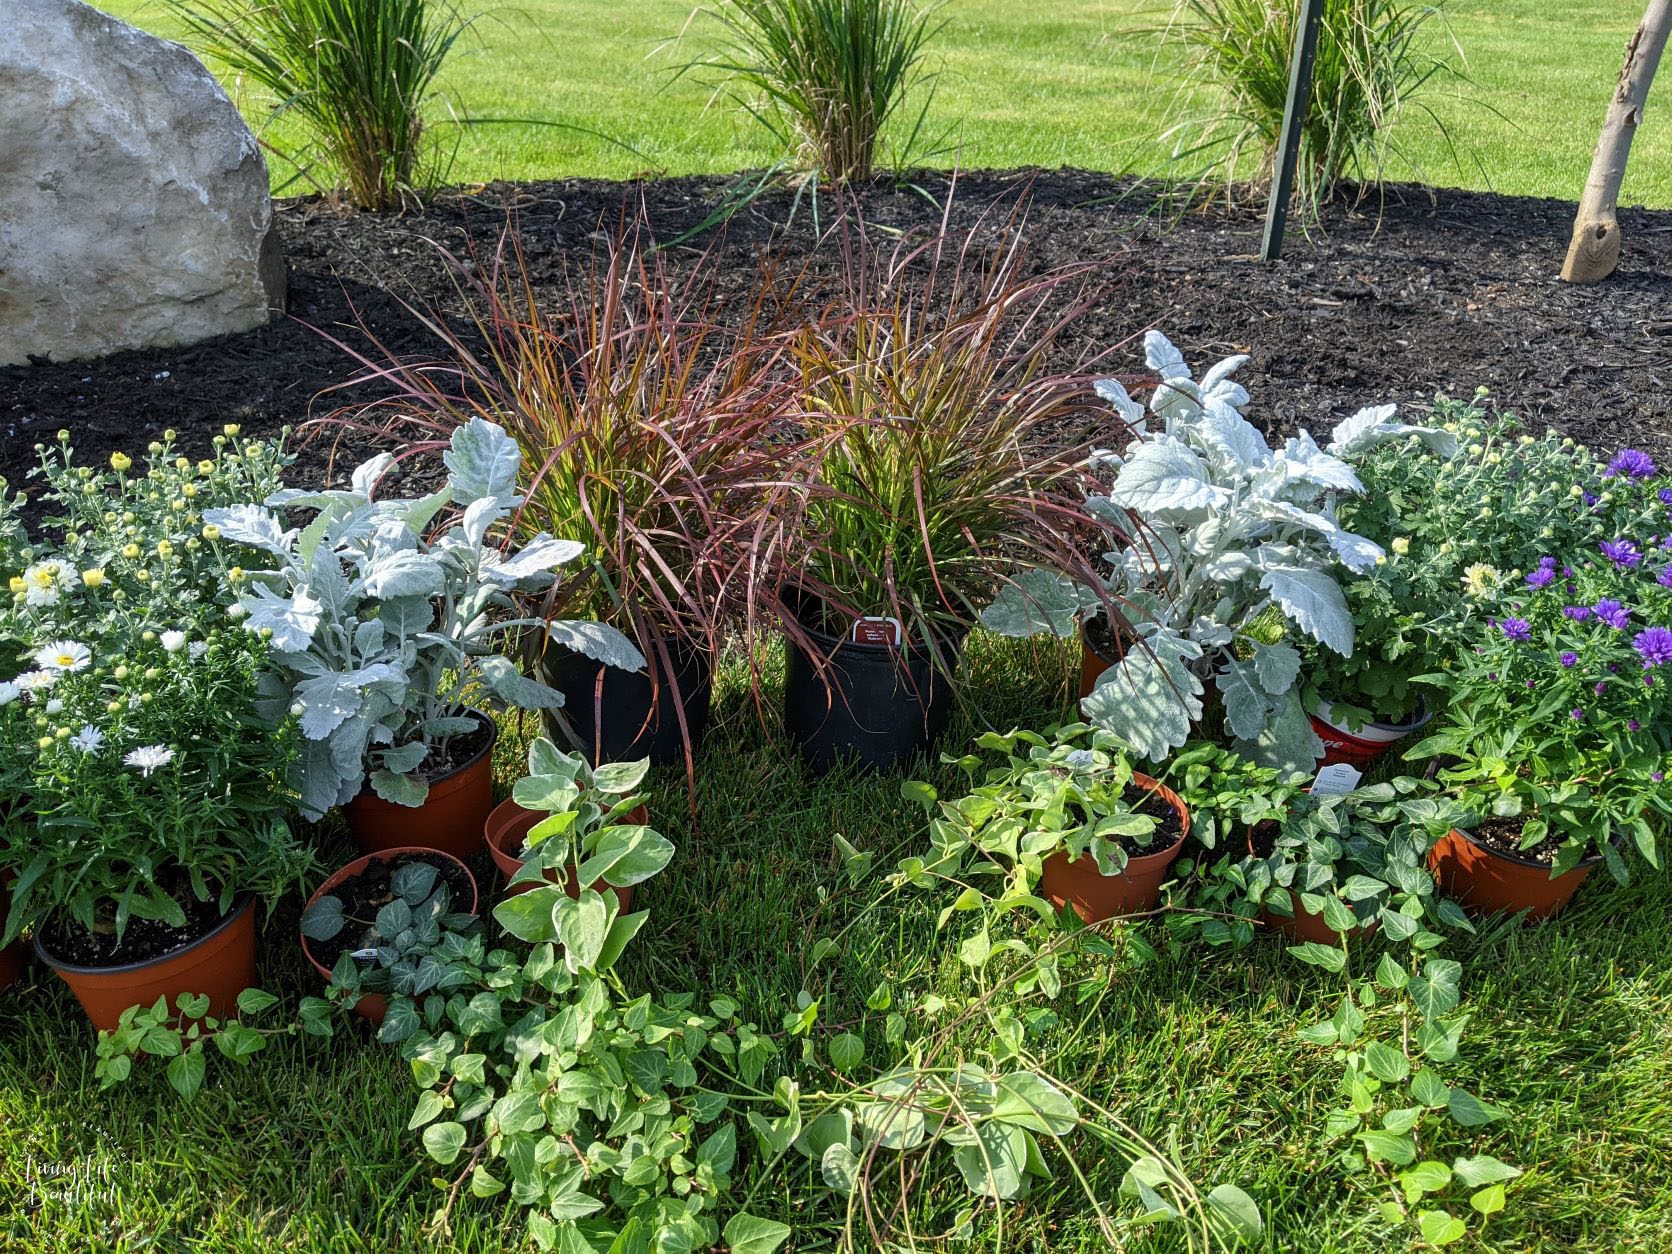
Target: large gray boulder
134	210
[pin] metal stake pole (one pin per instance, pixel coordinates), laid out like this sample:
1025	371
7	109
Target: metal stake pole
1294	117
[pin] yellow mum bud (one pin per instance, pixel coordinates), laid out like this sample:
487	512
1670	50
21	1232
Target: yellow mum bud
45	742
182	463
1402	545
164	549
130	550
93	578
231	429
170	435
206	467
120	461
144	576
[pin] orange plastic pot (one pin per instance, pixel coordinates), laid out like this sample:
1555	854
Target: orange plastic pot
1137	888
509	825
1302	926
1485	881
220	964
1093	663
373	1006
450	820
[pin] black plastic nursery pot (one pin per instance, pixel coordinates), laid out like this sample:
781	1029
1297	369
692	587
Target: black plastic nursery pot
634	714
875	704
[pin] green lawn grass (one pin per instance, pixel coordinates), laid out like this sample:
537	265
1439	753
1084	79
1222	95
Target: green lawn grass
307	1148
1076	82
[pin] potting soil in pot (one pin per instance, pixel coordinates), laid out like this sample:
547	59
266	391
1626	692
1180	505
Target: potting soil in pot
1168	827
367	893
142	939
1503	836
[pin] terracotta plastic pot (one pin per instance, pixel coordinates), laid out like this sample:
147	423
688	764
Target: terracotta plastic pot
875	704
373	1006
634	714
1093	662
1362	747
1301	926
451	818
220	964
509	824
1096	896
1485	881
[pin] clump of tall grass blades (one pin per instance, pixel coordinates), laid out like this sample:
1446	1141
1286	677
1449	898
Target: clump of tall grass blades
1373	63
824	76
359	73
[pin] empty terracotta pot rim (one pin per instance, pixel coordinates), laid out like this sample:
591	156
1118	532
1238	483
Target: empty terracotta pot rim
242	906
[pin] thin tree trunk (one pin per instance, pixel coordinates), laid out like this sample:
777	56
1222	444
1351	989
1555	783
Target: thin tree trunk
1595	248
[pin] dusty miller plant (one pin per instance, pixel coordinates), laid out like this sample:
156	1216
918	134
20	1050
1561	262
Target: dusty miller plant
1238	547
382	637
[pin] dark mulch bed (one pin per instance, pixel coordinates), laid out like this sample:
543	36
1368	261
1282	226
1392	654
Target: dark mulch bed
1433	291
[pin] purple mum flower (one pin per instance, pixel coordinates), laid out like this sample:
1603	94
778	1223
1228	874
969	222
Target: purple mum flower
1543	577
1664	579
1576	714
1665	495
1633	725
1633	463
1657	776
1568	659
1612	613
1590	498
1516	628
1621	552
1578	613
1654	646
1600	687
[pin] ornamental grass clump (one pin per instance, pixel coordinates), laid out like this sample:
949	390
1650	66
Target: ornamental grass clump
824	77
927	398
147	785
1457	527
1375	62
1559	709
359	73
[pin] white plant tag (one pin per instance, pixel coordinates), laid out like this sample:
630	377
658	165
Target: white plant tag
1339	777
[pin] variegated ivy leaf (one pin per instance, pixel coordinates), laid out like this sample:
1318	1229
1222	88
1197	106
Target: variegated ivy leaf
1312	601
1039	601
293	620
400	790
1164	476
481	461
598	641
509	684
252	525
1150	697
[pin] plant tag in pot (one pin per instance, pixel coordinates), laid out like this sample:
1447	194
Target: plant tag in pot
1338	777
873	629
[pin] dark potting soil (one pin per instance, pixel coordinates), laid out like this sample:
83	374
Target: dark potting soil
457	751
1504	836
367	893
1421	291
142	939
1101	636
1168	827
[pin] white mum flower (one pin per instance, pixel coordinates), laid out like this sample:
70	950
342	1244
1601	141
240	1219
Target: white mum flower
197	649
149	758
9	692
54	706
174	641
64	655
43	581
36	681
89	739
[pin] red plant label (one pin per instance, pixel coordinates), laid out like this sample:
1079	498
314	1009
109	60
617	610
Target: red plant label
876	630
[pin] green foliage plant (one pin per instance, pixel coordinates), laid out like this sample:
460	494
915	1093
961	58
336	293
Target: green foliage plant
825	77
143	775
359	73
1375	63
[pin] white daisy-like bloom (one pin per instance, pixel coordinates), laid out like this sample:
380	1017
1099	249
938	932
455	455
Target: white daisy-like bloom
37	681
54	706
148	758
174	641
64	655
89	739
9	692
43	582
197	649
